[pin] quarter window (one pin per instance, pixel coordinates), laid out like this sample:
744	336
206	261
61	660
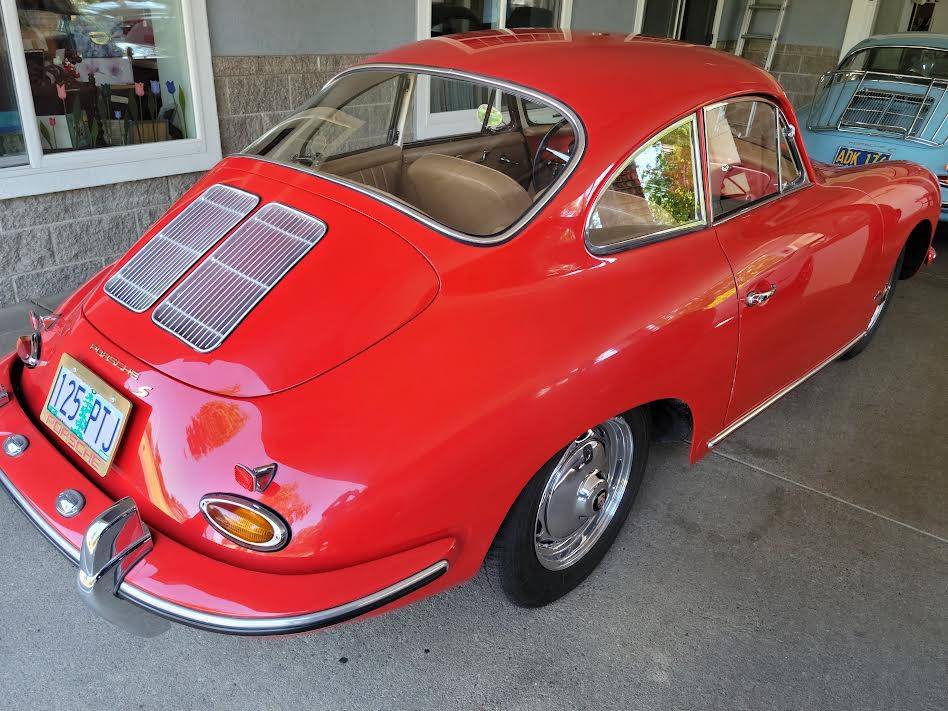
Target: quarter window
742	154
655	194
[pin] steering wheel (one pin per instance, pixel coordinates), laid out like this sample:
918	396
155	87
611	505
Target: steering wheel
550	167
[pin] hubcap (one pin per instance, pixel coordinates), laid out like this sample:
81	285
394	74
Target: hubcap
583	493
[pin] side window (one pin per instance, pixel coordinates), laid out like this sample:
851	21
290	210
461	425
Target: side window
791	170
656	192
742	154
539	115
361	123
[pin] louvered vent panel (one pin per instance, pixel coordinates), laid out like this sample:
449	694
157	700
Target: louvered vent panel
182	242
207	306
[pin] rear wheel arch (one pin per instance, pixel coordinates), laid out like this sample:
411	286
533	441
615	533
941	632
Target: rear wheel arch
916	249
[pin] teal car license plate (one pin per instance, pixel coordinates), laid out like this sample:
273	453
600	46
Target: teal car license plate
857	156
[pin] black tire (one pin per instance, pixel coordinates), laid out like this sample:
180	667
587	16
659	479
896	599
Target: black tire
864	342
512	561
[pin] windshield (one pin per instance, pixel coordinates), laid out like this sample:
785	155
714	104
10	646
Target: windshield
908	61
467	156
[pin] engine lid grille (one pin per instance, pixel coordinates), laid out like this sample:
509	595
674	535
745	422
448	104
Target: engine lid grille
209	304
178	246
887	111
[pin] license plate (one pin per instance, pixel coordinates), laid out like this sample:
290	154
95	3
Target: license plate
857	156
86	413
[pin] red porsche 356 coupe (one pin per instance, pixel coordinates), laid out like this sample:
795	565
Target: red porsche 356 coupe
434	319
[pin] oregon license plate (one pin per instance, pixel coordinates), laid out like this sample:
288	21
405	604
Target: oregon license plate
857	156
86	413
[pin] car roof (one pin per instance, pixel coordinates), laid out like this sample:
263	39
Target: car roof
601	76
909	39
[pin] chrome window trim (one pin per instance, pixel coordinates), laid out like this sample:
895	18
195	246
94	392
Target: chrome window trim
670	232
579	131
226	623
799	185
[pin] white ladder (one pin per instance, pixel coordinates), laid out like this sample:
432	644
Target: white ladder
753	7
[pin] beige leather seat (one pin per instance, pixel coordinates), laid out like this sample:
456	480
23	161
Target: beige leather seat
465	196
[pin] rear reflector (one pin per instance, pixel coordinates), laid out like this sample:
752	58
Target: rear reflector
207	306
178	246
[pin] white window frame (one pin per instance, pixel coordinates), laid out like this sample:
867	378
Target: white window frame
105	166
428	125
862	18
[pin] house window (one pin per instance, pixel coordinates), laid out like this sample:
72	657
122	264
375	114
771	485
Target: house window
448	109
95	92
12	147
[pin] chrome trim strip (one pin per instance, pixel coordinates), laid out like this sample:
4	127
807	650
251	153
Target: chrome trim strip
284	625
737	424
52	535
224	623
578	128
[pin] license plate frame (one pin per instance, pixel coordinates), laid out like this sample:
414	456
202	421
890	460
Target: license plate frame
98	391
849	157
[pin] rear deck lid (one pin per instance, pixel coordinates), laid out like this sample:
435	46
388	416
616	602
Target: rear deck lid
300	285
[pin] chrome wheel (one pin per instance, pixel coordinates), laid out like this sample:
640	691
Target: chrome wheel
583	493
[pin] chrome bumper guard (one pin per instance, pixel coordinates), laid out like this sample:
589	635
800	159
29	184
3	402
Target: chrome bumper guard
118	539
114	543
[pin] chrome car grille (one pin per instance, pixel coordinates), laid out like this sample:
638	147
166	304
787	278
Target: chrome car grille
178	246
887	111
207	306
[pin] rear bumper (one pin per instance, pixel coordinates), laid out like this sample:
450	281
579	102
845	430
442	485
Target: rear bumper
170	581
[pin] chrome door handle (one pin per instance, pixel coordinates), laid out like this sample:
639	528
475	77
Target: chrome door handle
504	159
759	298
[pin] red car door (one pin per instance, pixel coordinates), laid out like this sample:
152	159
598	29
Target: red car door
804	256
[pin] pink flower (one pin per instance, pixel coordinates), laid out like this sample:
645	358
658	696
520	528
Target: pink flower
139	88
61	91
52	121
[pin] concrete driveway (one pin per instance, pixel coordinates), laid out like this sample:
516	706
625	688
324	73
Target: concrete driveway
803	565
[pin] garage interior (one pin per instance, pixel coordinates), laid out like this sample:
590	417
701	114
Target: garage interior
803	564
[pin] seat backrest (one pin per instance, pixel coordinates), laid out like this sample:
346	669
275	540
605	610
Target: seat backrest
465	196
380	168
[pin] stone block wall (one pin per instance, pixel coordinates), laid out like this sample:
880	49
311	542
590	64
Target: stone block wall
798	67
50	244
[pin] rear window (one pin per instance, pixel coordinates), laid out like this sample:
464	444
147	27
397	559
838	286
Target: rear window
465	155
920	62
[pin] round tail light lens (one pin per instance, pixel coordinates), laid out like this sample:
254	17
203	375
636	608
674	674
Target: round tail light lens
245	522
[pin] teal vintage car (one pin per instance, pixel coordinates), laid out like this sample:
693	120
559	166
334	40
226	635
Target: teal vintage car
886	100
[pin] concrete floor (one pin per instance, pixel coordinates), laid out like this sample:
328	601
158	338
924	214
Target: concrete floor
802	565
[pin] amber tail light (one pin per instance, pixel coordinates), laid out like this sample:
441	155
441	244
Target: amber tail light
245	522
